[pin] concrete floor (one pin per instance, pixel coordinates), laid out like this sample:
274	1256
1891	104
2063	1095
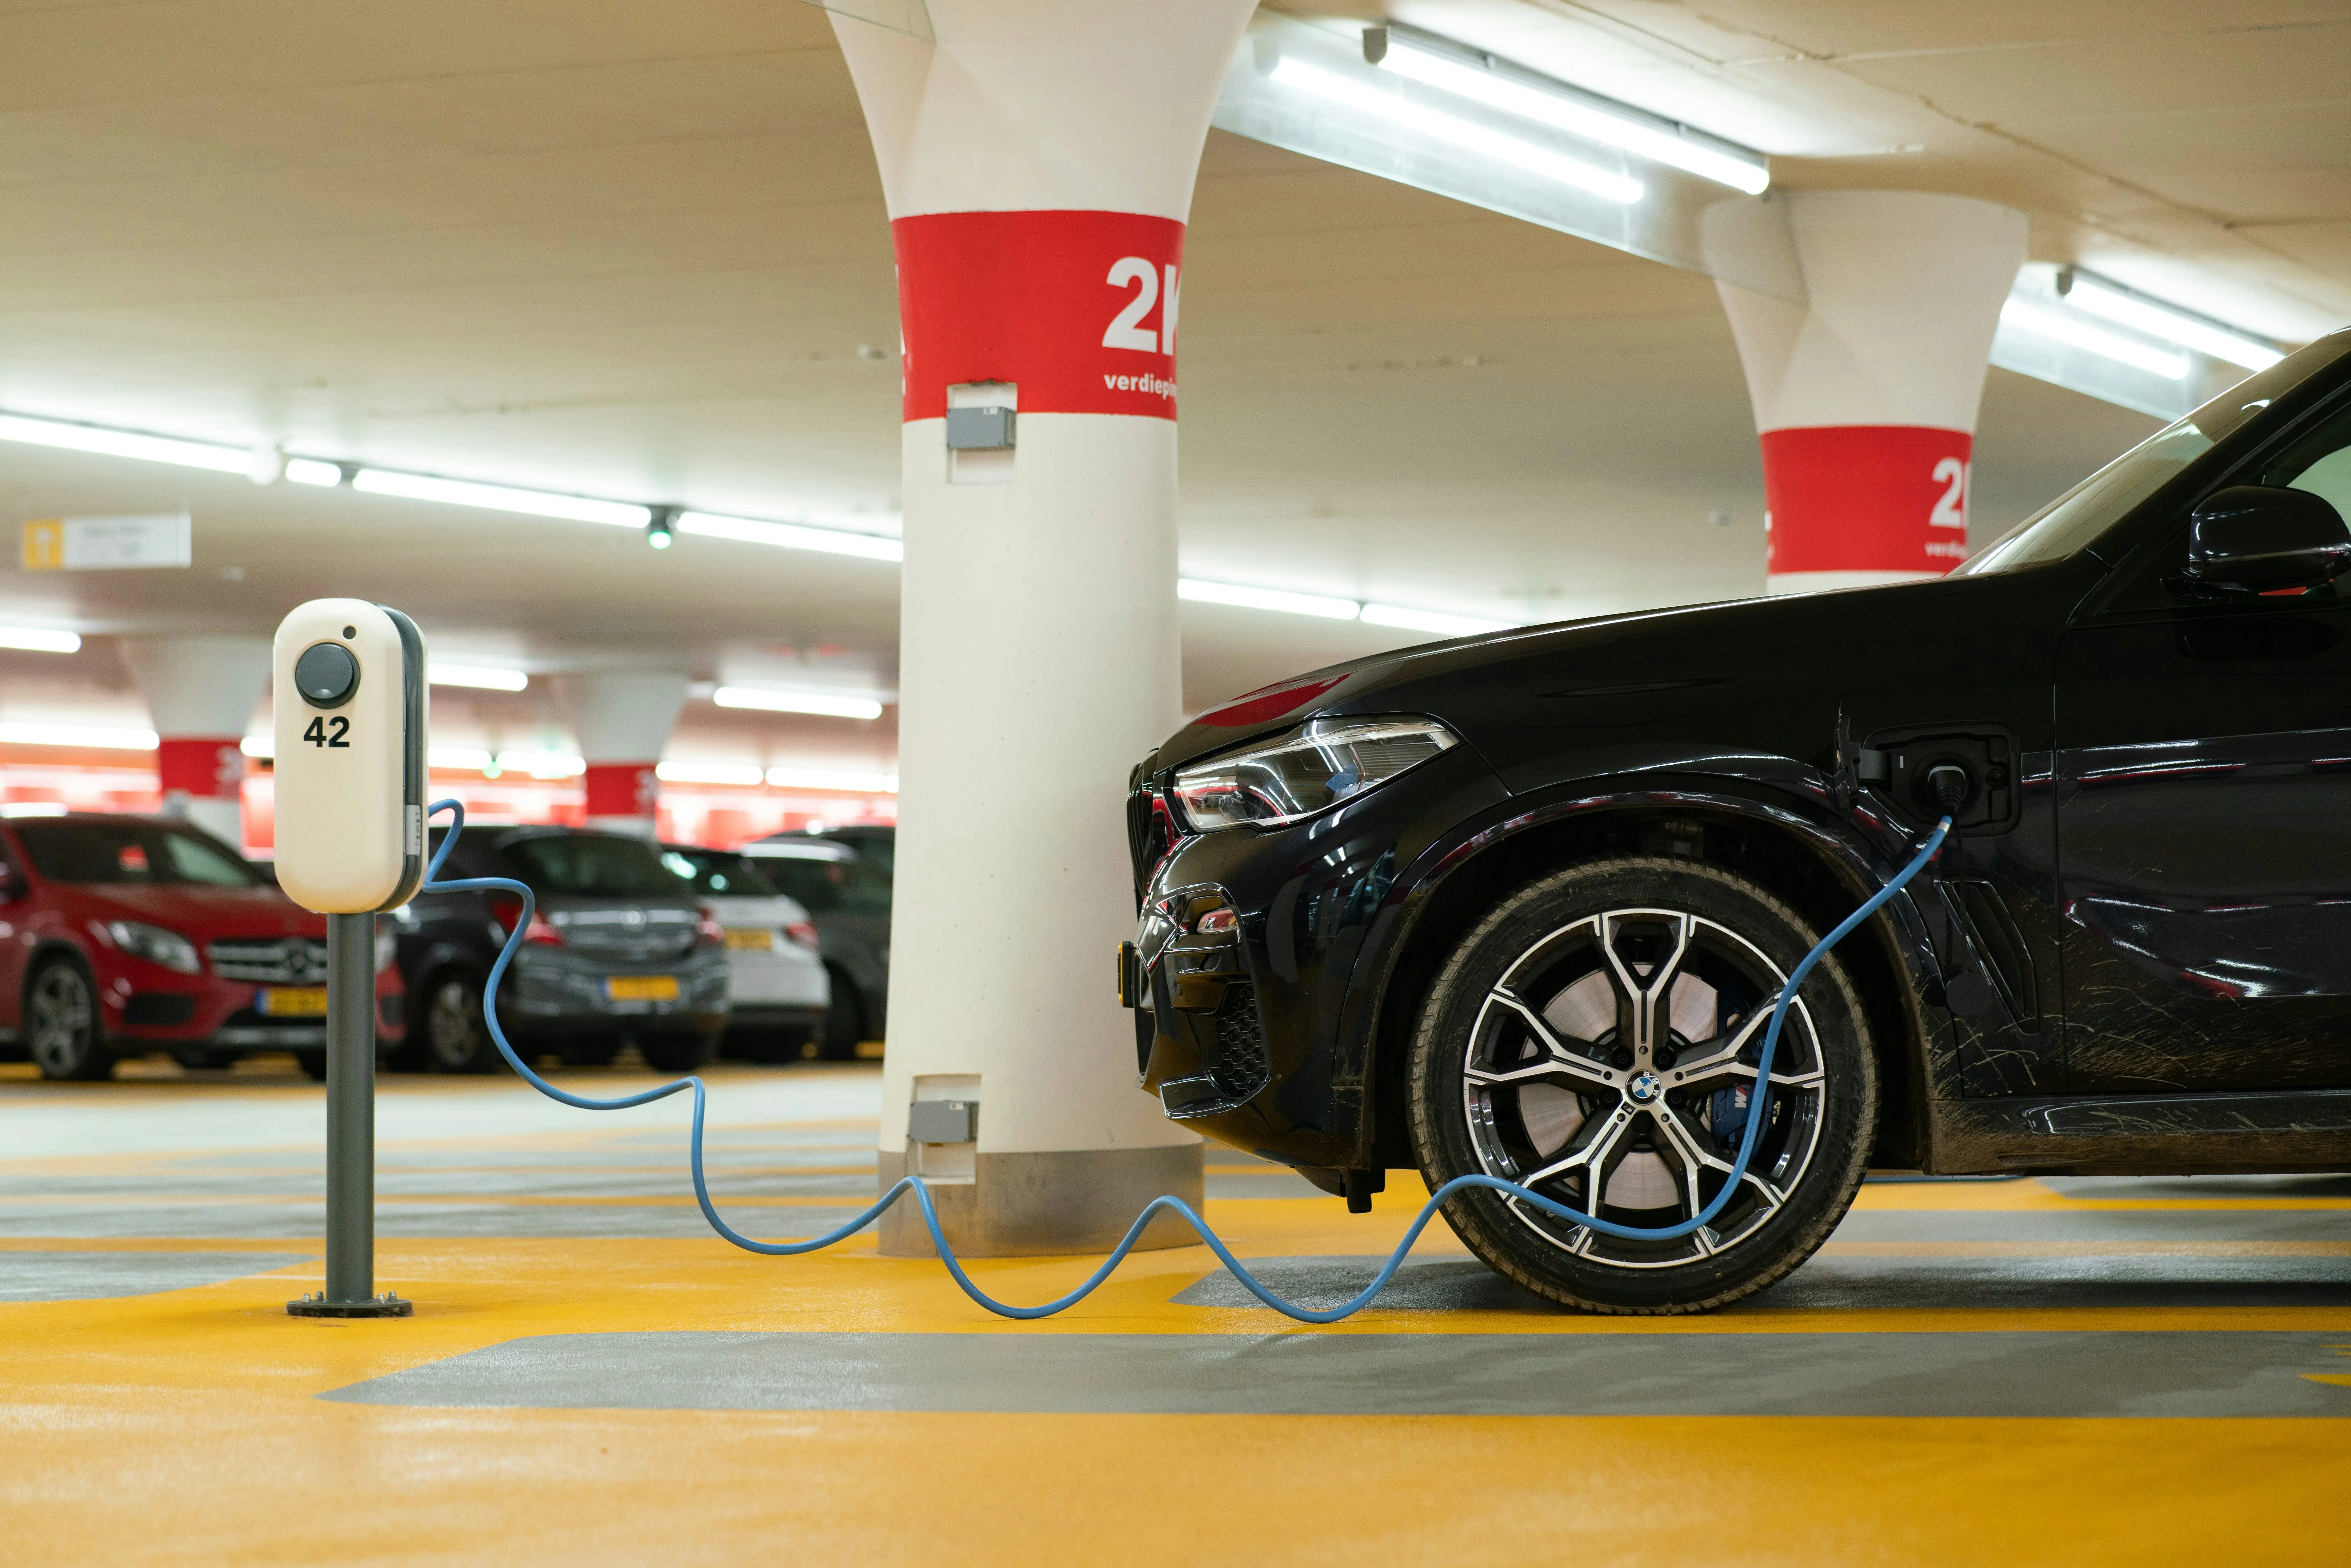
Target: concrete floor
2037	1370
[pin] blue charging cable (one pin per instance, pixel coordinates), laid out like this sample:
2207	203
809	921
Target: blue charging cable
1173	1204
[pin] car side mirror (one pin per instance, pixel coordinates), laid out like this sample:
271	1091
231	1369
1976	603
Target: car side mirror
2258	539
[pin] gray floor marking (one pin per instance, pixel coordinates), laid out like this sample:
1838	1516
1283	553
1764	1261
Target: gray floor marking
98	1276
1614	1373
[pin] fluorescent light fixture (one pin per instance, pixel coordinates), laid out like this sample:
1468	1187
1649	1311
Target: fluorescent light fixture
2081	334
260	747
2189	331
792	535
797	702
540	764
76	735
459	758
1434	621
822	778
1267	599
1624	128
501	498
1438	126
708	773
34	808
487	680
312	471
109	443
33	640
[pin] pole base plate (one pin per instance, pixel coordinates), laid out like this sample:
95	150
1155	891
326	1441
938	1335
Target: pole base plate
384	1306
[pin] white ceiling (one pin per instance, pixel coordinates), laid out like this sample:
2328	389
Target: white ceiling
635	249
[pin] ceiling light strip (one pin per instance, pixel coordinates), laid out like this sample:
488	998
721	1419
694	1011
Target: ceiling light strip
2064	327
2169	322
1483	79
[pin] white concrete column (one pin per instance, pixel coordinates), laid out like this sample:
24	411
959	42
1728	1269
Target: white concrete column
201	692
1865	397
1037	159
622	719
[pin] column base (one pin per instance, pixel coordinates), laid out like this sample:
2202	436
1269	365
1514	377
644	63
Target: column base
316	1306
1029	1204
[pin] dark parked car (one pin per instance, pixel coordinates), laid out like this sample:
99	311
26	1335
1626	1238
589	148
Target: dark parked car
122	934
620	952
875	843
1516	904
848	897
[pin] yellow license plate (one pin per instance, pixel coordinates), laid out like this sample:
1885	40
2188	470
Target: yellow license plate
751	941
292	1001
641	987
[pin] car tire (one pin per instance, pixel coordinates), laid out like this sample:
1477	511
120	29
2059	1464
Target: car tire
676	1053
1530	1063
313	1065
62	1030
844	1019
456	1037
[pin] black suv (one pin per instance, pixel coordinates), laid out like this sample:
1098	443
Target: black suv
620	952
1516	904
842	878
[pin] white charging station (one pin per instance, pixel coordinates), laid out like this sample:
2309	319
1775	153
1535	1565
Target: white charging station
348	712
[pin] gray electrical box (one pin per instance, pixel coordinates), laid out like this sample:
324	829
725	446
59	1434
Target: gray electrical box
943	1122
979	430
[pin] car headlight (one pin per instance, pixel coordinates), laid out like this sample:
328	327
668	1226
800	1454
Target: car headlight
156	945
1305	770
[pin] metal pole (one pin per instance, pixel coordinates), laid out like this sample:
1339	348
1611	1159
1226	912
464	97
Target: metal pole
350	1129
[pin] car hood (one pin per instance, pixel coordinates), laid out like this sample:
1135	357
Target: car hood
1713	671
204	913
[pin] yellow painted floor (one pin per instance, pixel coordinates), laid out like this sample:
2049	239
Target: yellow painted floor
186	1424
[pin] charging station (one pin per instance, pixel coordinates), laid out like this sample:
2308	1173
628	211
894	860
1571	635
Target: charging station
348	709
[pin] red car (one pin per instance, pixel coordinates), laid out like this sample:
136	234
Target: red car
122	934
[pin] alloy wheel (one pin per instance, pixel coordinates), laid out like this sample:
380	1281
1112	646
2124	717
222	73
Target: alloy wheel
62	1021
1614	1063
453	1026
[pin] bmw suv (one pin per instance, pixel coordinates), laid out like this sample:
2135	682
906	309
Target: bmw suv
1517	903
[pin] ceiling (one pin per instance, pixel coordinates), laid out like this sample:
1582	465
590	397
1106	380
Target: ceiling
639	249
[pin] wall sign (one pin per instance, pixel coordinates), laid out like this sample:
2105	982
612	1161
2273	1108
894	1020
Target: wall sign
109	544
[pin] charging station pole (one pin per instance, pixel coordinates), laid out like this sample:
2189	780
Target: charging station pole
348	712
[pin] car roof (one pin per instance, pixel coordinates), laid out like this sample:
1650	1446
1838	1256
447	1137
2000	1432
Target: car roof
799	849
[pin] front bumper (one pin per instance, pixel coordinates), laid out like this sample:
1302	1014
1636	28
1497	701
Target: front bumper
1199	1041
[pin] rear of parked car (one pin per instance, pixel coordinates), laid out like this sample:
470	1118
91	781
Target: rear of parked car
620	951
848	897
137	934
776	980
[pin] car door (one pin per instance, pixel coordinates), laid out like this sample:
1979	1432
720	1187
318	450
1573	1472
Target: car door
2204	816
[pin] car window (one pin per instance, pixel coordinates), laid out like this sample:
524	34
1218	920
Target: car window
190	858
132	852
2073	520
723	876
2318	461
841	885
593	864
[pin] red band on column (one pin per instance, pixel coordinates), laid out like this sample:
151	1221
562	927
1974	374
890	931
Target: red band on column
622	788
1866	497
1078	309
210	768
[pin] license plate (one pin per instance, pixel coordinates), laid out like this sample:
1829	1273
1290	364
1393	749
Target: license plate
292	1001
641	987
750	941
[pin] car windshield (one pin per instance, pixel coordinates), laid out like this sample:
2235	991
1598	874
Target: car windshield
2075	519
720	875
830	884
597	865
147	852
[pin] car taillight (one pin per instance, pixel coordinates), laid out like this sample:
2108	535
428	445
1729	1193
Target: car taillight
801	932
707	932
506	908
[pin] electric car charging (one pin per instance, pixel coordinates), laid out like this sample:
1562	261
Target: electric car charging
895	781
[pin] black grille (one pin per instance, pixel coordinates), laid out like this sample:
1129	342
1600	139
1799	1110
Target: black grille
158	1010
1150	834
1240	1070
270	960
